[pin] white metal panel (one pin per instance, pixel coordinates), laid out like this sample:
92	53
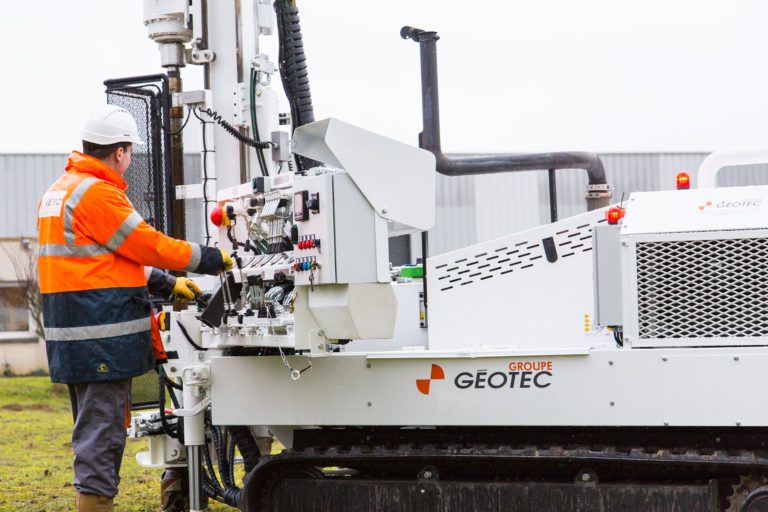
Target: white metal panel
318	226
696	210
606	247
360	235
353	311
223	40
618	387
397	179
505	293
706	394
408	330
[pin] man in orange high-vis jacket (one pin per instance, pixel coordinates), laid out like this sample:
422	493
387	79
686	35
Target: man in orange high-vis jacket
94	248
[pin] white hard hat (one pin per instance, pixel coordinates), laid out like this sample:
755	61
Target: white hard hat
110	124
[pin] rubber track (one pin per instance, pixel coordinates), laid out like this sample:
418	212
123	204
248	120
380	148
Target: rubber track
386	461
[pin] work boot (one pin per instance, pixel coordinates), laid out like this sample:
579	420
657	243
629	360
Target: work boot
174	495
93	503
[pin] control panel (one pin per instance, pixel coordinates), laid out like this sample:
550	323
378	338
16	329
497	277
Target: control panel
317	230
314	247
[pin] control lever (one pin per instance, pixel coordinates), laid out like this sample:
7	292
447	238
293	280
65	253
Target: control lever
312	268
200	301
244	290
227	296
230	213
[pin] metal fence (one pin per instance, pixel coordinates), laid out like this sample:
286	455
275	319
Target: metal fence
149	176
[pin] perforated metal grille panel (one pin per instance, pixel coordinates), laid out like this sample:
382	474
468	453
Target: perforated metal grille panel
703	288
511	257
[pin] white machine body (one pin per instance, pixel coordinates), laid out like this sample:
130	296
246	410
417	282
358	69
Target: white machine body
659	321
532	290
497	355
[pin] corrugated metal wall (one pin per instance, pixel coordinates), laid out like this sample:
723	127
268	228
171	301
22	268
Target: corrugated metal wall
23	180
480	208
470	209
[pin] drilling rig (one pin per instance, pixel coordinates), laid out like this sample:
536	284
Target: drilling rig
599	362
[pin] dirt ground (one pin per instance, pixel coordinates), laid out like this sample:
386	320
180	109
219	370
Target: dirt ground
36	454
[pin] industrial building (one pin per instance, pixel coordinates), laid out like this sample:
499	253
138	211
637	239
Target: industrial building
470	210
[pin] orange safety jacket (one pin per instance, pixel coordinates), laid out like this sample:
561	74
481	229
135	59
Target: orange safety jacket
93	250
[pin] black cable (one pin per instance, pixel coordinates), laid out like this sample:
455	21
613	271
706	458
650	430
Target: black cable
211	473
618	338
231	458
235	244
221	455
210	491
169	382
234	131
210	486
189	338
205	178
170	431
189	112
232	496
255	125
249	450
223	490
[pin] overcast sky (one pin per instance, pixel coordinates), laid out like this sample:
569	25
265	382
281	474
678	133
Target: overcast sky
598	75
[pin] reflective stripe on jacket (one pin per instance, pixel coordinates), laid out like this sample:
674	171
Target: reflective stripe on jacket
93	250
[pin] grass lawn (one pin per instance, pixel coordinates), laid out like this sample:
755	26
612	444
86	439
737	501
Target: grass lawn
36	454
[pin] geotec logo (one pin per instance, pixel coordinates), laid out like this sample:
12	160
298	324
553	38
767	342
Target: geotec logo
517	375
746	203
436	373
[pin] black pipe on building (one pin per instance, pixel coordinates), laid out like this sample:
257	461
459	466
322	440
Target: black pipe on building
598	191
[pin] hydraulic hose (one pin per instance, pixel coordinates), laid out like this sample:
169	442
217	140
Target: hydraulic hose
245	442
177	431
225	490
293	68
255	126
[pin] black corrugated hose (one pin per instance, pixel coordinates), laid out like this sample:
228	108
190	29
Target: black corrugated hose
293	68
245	442
225	490
175	431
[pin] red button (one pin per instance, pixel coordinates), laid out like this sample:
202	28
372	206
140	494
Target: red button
216	215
